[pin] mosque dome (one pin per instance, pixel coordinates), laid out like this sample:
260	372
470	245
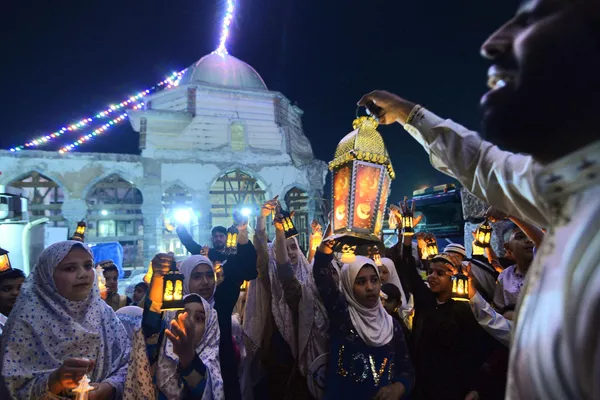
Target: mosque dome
224	71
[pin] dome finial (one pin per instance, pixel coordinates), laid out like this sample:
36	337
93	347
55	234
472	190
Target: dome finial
222	48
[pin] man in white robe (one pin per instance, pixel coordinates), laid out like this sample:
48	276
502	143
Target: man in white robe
544	101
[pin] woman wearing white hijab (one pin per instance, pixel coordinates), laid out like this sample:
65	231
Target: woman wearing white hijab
185	361
369	357
61	323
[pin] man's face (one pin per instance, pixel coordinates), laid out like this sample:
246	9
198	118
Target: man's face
439	278
545	64
9	290
219	239
112	281
520	246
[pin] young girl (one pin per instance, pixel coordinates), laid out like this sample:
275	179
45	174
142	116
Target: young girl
179	362
60	329
369	357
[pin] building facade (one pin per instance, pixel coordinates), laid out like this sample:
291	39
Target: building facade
218	142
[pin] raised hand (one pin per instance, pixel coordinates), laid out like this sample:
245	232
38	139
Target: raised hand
181	334
495	215
161	263
269	207
389	107
68	375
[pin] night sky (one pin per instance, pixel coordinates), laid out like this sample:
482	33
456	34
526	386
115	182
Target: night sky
66	59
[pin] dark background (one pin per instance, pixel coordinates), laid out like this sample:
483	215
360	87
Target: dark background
63	60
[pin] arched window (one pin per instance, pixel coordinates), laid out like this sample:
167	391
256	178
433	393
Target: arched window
45	197
235	190
177	209
115	215
297	199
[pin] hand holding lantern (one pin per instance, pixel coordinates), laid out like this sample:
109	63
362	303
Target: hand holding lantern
483	234
283	222
317	234
269	207
172	298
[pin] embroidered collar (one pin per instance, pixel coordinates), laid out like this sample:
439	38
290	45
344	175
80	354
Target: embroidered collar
572	173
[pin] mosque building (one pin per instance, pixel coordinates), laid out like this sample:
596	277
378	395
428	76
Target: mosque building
219	141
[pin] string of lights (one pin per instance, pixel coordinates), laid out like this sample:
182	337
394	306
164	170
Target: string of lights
222	48
169	82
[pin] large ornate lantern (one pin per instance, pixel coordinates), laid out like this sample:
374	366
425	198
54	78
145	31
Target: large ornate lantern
173	287
79	234
4	260
362	174
232	238
483	235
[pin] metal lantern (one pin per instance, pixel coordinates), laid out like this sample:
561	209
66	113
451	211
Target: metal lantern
362	174
4	260
460	286
432	248
232	238
483	235
79	234
477	251
173	288
288	225
392	222
407	224
375	255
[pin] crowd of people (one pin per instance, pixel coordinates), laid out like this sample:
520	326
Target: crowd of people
322	326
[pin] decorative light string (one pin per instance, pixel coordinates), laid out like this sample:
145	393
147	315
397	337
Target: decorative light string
170	82
222	49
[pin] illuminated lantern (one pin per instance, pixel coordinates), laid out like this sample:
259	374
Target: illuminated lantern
79	234
219	276
483	235
244	286
232	238
375	255
288	225
477	251
361	176
432	248
4	260
392	222
407	224
460	286
173	288
347	254
148	276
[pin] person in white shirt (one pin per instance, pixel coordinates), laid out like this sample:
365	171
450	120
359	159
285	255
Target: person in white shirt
543	102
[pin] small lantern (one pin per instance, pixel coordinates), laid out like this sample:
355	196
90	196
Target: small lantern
483	235
432	248
392	222
219	276
361	174
407	224
477	251
79	234
375	255
4	260
101	278
232	238
460	286
148	276
244	286
83	388
173	288
288	225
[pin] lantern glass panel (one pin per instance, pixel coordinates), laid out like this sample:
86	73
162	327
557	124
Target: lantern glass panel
477	250
341	193
365	195
385	191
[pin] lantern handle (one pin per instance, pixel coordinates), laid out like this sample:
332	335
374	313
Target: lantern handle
371	109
